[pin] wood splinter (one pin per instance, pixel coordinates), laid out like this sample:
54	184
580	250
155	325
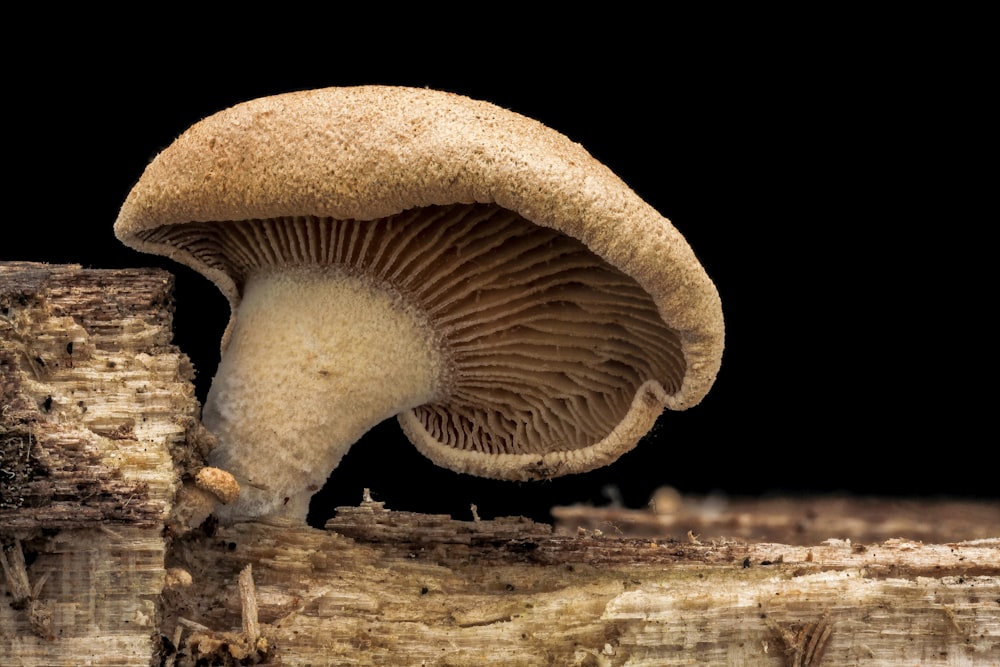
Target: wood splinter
248	603
222	647
804	644
25	595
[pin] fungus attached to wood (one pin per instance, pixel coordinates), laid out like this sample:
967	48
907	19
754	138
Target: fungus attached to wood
395	251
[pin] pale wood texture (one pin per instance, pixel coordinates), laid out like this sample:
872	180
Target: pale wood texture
100	566
388	588
95	406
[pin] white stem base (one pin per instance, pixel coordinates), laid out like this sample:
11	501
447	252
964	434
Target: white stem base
314	360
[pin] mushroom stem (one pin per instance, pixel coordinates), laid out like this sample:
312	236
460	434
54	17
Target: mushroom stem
315	358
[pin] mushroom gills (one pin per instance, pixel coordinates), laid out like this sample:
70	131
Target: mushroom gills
524	345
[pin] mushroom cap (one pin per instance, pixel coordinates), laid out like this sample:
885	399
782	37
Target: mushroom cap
371	152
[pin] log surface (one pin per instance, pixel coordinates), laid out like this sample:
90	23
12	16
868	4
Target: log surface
99	431
410	589
97	416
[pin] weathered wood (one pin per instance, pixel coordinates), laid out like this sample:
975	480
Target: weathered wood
95	398
100	567
410	589
97	421
789	520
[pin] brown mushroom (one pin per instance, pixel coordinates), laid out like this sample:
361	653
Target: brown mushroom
395	251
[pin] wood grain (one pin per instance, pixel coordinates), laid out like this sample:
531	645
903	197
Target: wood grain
104	566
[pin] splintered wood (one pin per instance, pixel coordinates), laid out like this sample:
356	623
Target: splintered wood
95	404
104	561
94	397
412	589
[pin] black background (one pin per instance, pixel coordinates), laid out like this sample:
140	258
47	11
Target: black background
795	172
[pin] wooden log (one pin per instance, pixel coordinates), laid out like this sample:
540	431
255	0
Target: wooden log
98	420
99	434
790	520
381	587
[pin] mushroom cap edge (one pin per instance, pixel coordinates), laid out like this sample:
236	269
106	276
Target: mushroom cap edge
371	151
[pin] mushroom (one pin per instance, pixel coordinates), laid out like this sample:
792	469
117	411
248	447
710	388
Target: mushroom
396	251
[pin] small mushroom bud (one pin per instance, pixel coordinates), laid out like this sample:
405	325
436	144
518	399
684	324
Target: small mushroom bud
219	483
